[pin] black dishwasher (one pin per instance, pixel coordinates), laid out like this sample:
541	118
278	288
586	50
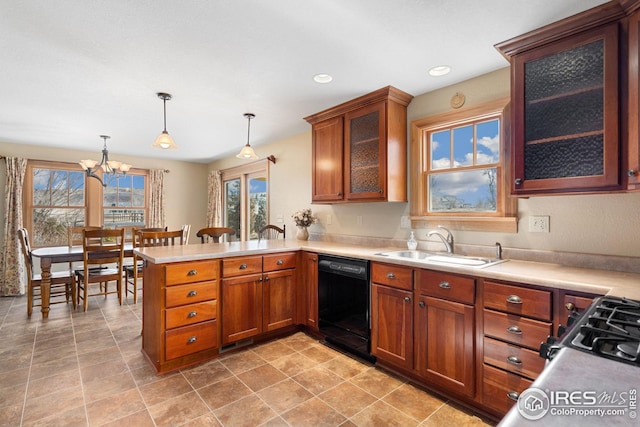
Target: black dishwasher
343	304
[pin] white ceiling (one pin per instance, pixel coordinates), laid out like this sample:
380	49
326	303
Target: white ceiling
71	70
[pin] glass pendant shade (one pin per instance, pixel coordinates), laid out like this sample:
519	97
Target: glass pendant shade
165	141
247	153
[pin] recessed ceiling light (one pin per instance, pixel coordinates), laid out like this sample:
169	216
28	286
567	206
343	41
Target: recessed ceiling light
440	70
322	78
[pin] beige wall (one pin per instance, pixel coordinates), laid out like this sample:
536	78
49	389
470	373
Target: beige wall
185	184
597	224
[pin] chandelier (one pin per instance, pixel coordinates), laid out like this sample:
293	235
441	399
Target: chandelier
112	167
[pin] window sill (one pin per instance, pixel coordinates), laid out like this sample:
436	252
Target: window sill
490	224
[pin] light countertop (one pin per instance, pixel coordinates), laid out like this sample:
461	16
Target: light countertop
596	281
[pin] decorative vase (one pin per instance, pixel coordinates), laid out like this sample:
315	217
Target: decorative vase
303	233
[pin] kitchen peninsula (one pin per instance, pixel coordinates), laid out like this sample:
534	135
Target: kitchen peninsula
184	306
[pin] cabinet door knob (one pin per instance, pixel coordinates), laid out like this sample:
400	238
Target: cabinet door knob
192	293
192	314
445	285
514	360
570	306
421	304
407	299
391	276
191	340
514	330
266	278
380	190
518	181
514	299
339	194
192	272
243	266
513	395
279	262
631	172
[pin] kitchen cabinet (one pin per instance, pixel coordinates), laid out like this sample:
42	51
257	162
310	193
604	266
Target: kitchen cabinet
180	313
258	294
310	282
516	320
359	149
632	119
445	329
567	104
392	314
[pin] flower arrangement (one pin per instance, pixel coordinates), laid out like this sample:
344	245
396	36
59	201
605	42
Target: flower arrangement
304	218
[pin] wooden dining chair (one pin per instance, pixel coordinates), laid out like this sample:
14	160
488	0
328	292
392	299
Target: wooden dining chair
186	229
213	234
269	232
146	237
62	282
101	248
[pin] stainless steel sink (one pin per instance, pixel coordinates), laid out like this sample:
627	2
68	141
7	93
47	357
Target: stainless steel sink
442	258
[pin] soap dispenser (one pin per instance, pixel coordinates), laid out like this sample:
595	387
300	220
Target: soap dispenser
412	243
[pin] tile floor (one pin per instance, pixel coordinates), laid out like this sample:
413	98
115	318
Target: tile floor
86	369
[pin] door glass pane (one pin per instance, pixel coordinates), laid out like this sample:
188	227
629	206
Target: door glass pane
440	145
232	205
465	191
463	146
257	205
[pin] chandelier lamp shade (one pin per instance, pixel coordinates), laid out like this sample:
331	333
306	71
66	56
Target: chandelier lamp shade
247	152
112	167
164	141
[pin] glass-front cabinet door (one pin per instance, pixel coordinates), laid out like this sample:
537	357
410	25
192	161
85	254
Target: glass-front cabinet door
566	130
366	153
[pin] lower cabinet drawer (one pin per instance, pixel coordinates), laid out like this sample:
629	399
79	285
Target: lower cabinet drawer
191	293
190	314
515	329
501	389
190	339
512	358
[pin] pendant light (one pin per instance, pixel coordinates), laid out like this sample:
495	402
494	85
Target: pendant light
164	141
112	167
247	152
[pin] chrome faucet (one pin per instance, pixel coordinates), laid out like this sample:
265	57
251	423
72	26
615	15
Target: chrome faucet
448	241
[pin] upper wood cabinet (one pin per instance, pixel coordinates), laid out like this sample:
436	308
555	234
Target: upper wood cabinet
569	80
632	170
359	151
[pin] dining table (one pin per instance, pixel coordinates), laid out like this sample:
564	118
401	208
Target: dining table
49	255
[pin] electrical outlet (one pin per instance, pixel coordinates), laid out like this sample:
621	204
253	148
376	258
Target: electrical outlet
359	220
405	222
539	223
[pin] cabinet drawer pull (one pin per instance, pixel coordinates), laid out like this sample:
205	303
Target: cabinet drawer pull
192	314
407	299
514	360
513	395
192	272
514	330
391	276
445	285
514	299
243	266
191	340
192	293
279	262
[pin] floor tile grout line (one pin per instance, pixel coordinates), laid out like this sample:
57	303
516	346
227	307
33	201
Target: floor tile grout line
26	390
75	343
